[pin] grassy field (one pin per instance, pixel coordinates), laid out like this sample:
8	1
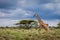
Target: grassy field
31	34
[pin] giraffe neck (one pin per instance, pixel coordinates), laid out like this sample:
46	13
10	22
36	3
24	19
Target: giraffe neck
39	19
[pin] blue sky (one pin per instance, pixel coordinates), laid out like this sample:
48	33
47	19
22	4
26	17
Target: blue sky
11	11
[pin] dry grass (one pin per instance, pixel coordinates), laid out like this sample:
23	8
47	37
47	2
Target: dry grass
31	34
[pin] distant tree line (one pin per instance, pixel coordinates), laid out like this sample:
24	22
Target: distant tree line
27	24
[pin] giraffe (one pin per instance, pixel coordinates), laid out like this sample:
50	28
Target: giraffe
42	24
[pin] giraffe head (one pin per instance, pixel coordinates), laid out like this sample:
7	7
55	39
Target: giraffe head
35	14
47	24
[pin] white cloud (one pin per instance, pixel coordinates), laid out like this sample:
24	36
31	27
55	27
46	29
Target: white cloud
7	22
52	22
27	3
54	7
2	14
49	6
57	1
21	12
15	13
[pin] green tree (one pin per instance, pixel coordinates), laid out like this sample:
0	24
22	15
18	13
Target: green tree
58	25
26	23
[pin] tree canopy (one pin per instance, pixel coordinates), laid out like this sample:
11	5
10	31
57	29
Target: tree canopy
27	23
